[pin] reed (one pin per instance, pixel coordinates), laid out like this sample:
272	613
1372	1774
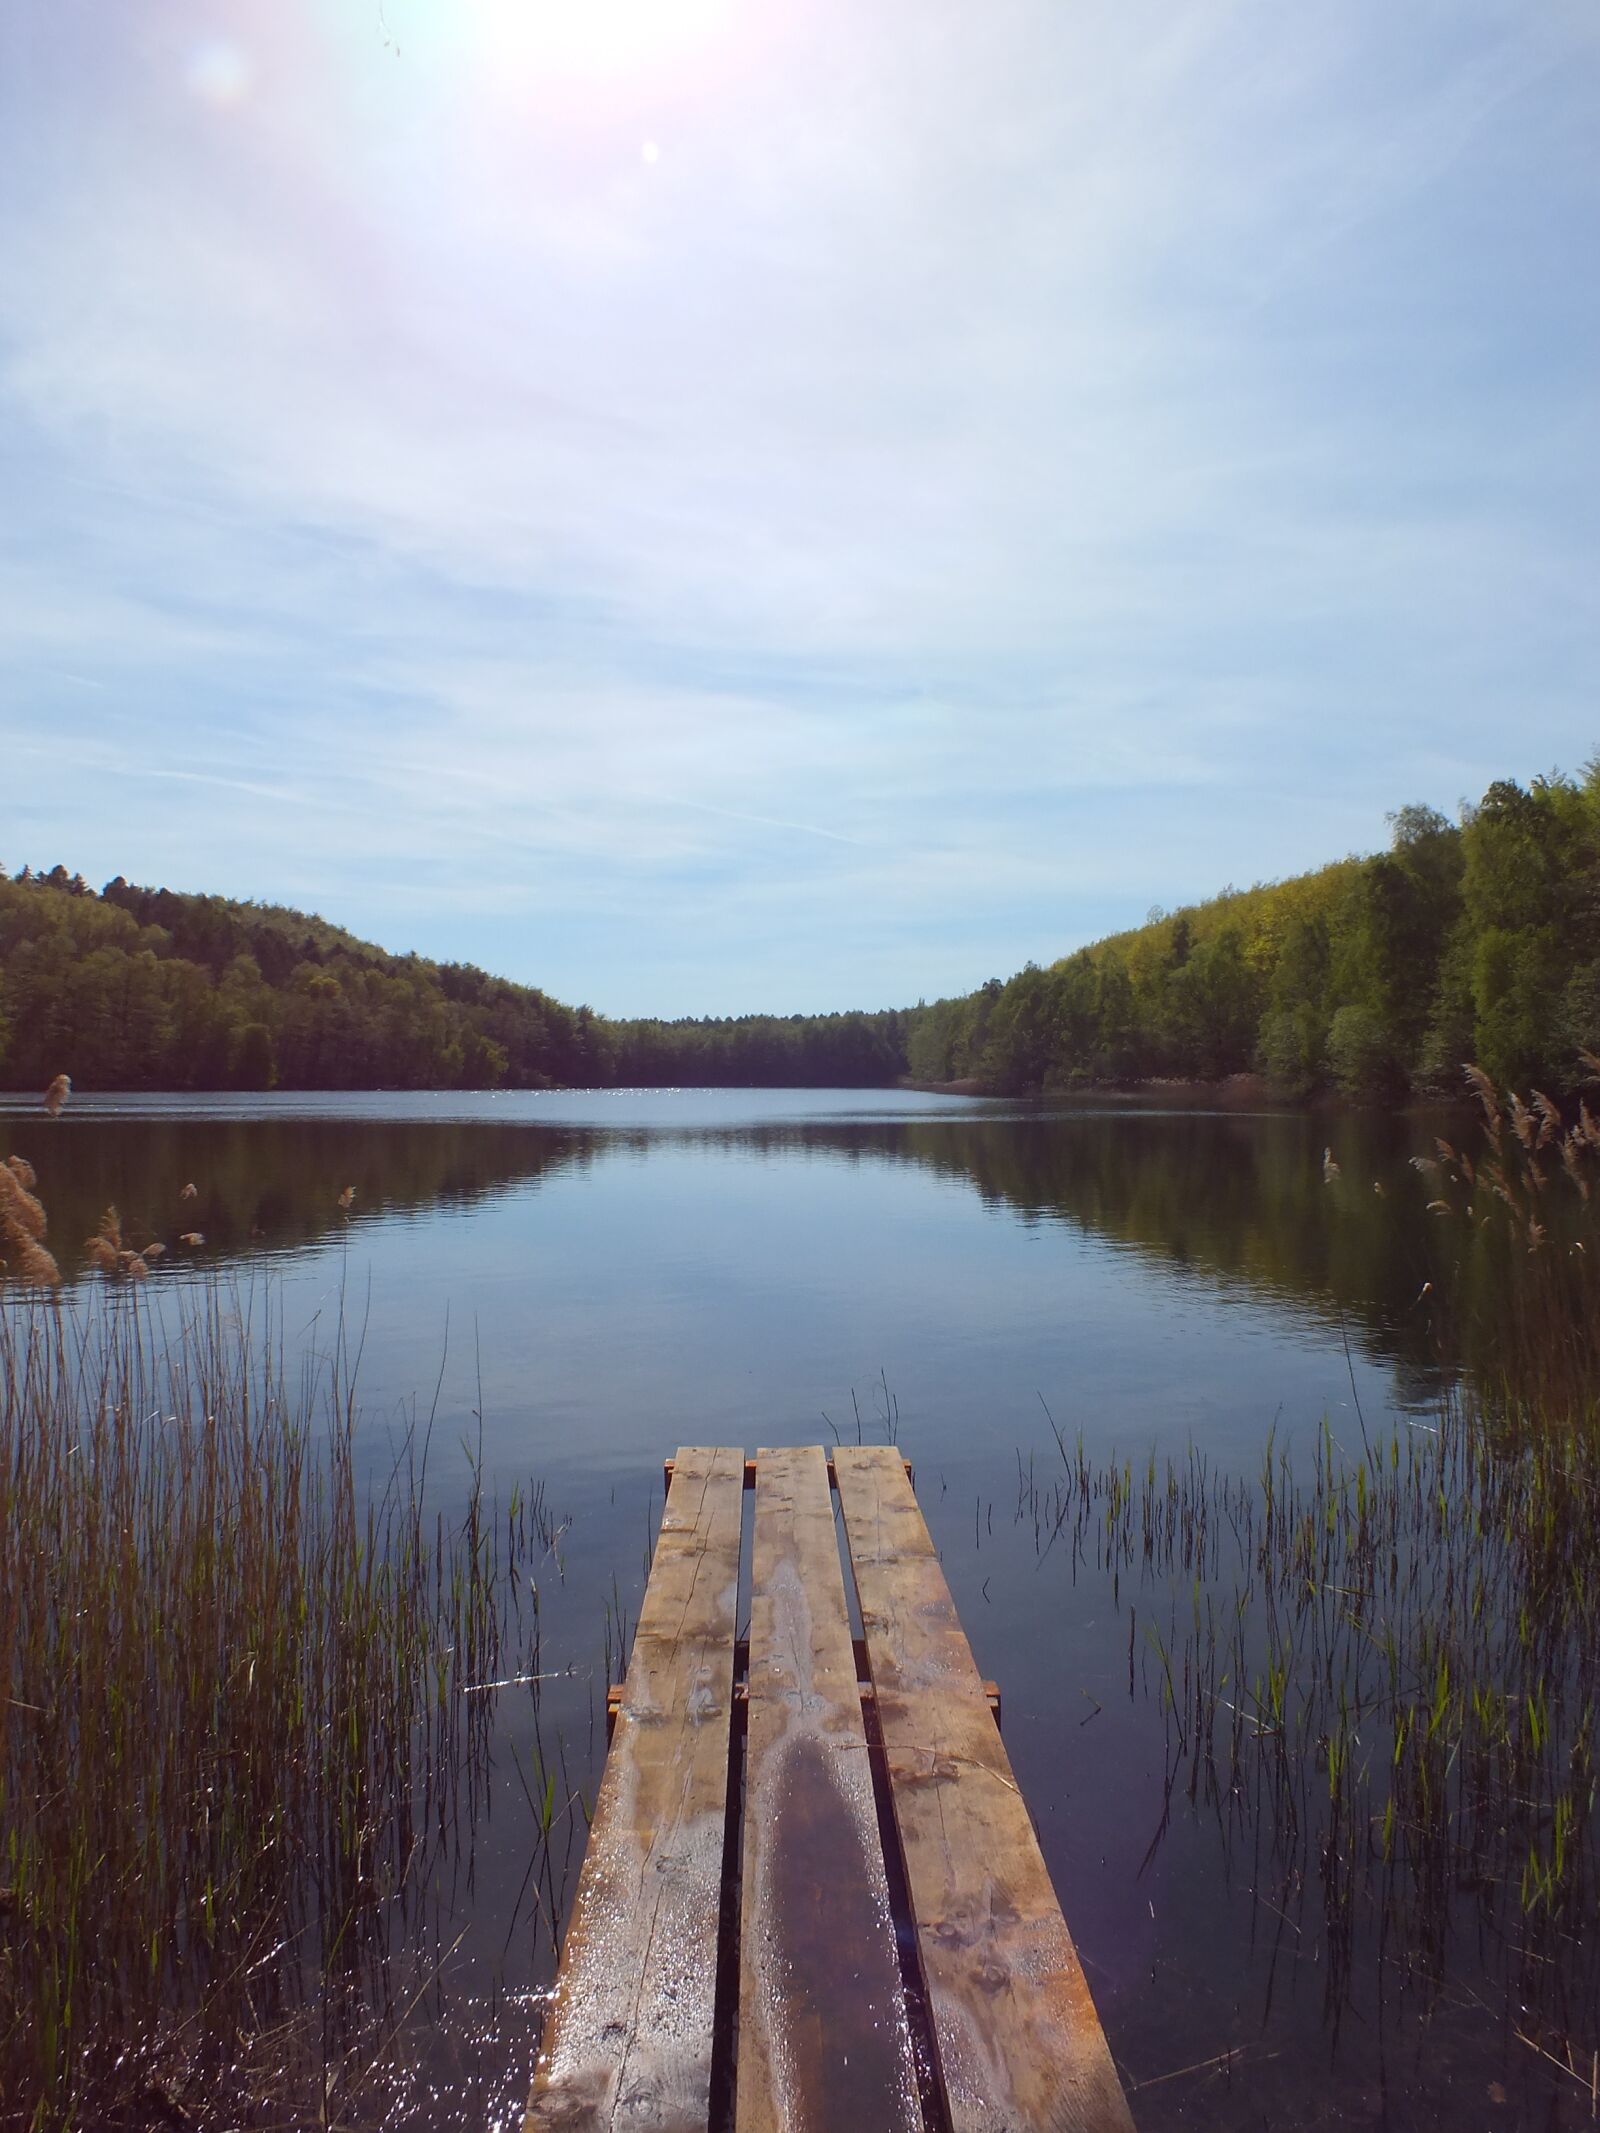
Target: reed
1518	1214
1376	1666
238	1756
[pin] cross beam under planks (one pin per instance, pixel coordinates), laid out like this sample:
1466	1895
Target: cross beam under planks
813	1898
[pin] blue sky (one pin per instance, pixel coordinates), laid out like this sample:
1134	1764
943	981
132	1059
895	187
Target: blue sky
727	504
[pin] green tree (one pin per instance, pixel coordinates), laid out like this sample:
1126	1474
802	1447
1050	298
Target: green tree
1361	1055
254	1066
1213	1008
1525	885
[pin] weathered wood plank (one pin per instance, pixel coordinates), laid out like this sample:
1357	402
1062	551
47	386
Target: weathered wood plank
824	2043
1019	2042
627	2041
750	1472
991	1689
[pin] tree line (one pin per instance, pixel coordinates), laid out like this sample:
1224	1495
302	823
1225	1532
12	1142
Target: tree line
137	988
1374	977
1377	978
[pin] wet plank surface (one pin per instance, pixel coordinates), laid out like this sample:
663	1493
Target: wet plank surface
1019	2042
823	2038
627	2041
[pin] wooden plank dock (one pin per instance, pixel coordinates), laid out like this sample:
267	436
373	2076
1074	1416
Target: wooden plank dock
813	1899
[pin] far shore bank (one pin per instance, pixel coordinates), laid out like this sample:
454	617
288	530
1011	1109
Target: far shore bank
1234	1092
1241	1093
969	1085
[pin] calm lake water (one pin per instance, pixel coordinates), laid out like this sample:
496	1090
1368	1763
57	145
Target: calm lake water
582	1281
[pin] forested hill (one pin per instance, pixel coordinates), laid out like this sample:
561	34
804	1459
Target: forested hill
1376	977
133	988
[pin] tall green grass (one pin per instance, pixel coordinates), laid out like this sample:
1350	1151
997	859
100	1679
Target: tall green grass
236	1751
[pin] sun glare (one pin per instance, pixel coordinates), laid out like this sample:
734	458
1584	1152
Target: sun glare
600	37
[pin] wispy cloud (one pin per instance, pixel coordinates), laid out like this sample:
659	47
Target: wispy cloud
989	471
773	822
281	795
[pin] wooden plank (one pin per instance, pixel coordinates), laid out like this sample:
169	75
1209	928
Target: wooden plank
824	2044
741	1690
627	2041
750	1473
1019	2042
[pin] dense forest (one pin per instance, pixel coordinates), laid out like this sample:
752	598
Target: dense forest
1376	978
132	988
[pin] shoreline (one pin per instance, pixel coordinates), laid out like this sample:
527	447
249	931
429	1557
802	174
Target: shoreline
1233	1092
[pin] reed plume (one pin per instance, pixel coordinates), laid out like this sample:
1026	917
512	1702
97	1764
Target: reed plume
20	1212
105	1246
32	1265
22	1228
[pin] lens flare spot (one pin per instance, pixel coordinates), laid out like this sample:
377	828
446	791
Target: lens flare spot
219	72
650	152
